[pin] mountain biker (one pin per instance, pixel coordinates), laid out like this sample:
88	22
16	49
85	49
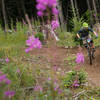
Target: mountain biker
84	34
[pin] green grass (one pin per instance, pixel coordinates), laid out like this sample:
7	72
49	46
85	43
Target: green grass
33	68
68	40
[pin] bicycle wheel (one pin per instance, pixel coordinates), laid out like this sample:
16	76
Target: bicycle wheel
93	55
90	56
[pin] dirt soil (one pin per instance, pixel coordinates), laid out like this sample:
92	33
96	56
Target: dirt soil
56	56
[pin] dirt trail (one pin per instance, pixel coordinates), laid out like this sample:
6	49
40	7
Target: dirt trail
94	70
56	55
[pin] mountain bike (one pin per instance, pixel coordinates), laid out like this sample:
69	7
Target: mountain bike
90	50
88	43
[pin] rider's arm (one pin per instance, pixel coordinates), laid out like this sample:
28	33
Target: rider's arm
93	31
78	35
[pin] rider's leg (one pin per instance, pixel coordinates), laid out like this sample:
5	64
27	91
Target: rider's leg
93	47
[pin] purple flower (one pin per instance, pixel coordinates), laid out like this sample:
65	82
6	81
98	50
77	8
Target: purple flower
59	91
7	81
18	70
56	88
40	13
33	43
2	78
9	93
75	84
43	5
52	3
7	60
27	50
40	7
80	58
38	88
49	79
54	24
55	11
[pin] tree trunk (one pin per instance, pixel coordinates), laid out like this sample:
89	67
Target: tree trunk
77	12
63	24
73	8
91	18
19	9
26	17
4	15
94	6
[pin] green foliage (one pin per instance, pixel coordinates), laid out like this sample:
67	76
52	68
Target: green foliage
31	68
12	39
77	24
97	41
87	16
40	36
67	39
2	53
69	78
80	76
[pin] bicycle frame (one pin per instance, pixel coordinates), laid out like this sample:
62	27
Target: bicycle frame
90	49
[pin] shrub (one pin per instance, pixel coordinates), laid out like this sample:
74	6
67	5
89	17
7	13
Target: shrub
67	39
75	78
40	36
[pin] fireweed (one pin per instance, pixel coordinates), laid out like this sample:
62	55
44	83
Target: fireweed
33	43
4	82
7	60
9	94
54	24
80	58
75	84
4	79
43	5
49	8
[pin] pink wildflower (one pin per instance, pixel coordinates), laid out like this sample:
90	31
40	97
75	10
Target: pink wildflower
80	58
75	84
55	24
33	43
49	79
43	5
7	60
9	94
18	70
38	88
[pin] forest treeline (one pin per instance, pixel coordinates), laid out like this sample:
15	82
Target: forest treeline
15	10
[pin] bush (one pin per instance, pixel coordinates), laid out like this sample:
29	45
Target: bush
40	36
67	39
75	78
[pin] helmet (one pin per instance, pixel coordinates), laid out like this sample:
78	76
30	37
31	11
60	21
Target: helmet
85	24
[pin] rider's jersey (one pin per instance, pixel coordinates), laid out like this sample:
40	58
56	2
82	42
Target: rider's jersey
84	32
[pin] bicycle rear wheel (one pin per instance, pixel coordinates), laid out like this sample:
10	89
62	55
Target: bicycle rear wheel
90	56
93	55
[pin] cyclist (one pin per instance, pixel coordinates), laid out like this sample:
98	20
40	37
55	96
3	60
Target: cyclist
83	34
